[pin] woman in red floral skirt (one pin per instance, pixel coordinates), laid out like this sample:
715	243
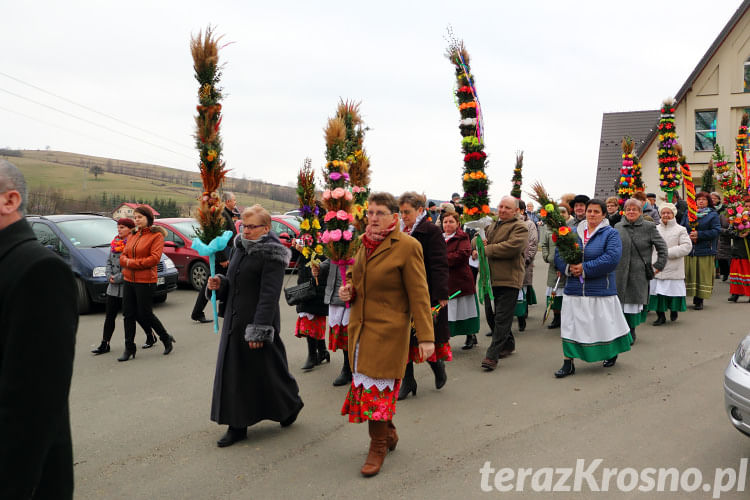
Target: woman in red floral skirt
386	287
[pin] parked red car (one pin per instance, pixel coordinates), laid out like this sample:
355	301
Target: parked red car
191	267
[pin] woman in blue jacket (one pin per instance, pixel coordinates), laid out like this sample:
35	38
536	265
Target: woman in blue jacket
593	327
699	265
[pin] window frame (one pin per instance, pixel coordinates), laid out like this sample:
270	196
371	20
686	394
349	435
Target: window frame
697	131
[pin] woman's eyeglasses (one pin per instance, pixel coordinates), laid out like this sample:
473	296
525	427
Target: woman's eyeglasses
253	226
378	214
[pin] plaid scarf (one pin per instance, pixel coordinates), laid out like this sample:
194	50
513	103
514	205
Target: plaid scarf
372	239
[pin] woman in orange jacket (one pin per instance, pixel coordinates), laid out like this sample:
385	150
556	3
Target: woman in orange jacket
138	261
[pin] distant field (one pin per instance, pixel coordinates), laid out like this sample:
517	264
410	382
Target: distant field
76	183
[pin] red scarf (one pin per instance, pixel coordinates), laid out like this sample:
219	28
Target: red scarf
372	239
118	244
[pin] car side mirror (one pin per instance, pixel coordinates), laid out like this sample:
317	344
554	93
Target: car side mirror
285	237
170	244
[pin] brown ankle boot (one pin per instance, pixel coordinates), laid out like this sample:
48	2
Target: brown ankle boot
378	448
392	436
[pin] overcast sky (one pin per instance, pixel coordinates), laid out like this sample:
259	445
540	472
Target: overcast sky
545	72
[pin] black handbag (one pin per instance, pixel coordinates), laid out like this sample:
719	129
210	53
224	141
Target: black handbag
649	268
304	292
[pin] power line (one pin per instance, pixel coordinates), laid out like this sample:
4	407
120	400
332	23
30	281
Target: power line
96	124
87	108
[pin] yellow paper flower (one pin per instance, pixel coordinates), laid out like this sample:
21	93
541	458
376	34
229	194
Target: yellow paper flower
319	249
211	155
315	224
306	252
305	225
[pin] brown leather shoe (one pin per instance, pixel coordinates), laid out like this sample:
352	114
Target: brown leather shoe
489	364
392	436
378	448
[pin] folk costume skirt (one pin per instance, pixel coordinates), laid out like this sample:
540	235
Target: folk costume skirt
699	276
338	327
593	328
309	325
463	315
369	398
739	277
667	295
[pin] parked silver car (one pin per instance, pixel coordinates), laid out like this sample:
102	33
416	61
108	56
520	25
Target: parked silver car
737	387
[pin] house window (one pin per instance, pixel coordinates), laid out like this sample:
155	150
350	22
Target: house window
705	130
747	75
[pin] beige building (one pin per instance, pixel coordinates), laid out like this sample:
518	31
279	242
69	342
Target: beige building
126	210
708	107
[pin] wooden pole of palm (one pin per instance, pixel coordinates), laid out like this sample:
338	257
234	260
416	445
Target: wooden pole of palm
687	179
210	236
310	225
627	181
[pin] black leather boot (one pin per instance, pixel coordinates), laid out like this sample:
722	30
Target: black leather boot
312	354
568	368
127	355
555	321
438	368
661	318
609	363
521	323
232	435
733	297
345	377
698	304
632	335
471	341
103	348
323	354
168	342
409	384
673	315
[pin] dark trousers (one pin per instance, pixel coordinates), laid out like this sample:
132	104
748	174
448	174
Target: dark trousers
137	305
502	336
200	303
489	313
113	306
723	267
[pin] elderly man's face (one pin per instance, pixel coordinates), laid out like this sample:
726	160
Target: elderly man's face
507	209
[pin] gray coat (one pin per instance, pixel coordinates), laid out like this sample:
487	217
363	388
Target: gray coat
724	250
251	385
333	283
530	252
548	254
114	270
640	236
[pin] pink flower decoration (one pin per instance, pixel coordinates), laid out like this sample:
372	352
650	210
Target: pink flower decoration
347	235
335	235
348	195
341	215
325	237
327	194
330	215
740	209
336	193
308	239
334	176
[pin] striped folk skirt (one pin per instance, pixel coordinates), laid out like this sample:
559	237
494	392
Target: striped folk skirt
699	276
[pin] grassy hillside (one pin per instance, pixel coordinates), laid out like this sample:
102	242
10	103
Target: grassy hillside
70	176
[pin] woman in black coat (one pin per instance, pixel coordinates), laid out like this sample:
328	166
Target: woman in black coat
415	223
252	381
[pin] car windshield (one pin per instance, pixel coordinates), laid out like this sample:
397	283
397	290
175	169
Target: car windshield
187	228
89	233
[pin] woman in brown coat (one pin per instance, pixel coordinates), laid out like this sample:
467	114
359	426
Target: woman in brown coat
414	223
386	287
138	261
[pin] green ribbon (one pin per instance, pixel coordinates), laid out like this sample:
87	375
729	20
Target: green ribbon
485	283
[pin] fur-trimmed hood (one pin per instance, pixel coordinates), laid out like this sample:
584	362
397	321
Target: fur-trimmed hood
269	248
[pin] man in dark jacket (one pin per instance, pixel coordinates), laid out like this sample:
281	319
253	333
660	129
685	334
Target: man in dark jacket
38	322
222	258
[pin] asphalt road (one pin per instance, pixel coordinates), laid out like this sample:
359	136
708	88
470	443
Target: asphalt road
141	429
